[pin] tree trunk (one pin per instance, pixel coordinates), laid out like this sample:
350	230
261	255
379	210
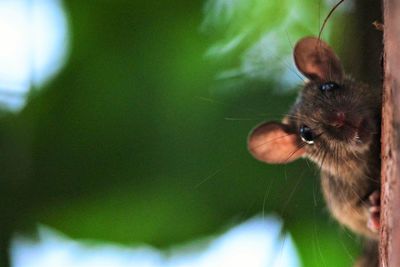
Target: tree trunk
390	198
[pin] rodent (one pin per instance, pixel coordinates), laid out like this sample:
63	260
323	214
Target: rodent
335	122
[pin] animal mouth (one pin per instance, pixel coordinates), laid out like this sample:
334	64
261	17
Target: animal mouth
349	128
357	132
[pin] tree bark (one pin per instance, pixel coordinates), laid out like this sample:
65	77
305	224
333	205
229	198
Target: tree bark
390	198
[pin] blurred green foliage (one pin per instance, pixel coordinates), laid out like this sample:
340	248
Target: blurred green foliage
136	142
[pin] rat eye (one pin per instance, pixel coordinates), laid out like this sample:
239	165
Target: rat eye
329	86
306	134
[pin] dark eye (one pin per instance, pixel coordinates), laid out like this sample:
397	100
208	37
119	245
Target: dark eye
329	86
306	134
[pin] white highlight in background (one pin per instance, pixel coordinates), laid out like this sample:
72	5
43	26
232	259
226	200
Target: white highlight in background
255	243
33	47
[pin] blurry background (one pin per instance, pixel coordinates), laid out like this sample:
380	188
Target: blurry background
124	125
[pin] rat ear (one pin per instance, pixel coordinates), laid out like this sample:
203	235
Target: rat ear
273	142
317	61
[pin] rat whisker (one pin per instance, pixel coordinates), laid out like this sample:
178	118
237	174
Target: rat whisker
214	101
346	250
328	16
318	245
212	175
297	116
291	194
266	196
240	119
282	245
294	152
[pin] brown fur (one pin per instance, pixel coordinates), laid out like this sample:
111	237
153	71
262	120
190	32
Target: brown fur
349	171
345	126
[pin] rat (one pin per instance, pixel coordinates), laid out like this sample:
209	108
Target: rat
335	122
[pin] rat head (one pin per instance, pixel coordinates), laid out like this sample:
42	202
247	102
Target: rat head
333	117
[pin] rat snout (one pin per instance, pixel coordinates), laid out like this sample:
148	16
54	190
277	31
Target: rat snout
337	119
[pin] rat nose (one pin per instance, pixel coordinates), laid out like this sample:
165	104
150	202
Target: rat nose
337	119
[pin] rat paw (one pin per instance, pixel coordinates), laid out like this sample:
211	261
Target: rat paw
374	211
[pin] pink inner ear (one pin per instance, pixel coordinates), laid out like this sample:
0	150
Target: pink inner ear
272	142
317	61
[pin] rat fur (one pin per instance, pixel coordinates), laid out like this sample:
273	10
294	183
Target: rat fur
335	122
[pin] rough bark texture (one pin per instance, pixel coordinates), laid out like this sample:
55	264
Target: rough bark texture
390	198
